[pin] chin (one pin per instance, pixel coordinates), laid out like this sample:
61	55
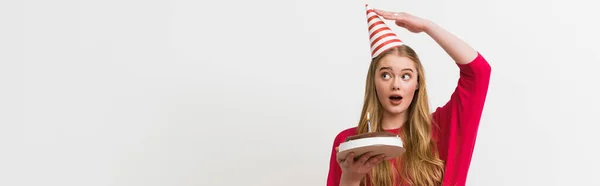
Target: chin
395	109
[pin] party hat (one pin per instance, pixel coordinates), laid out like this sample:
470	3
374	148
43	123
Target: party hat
381	36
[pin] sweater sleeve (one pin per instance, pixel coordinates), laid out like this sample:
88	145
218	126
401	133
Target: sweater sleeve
335	171
456	123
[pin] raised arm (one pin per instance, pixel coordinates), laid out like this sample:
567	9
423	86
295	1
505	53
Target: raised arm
456	122
460	51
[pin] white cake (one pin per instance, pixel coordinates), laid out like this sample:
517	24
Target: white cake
379	142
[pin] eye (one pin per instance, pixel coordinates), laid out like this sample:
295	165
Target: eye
385	76
406	76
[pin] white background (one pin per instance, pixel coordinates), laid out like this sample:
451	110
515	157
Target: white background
149	93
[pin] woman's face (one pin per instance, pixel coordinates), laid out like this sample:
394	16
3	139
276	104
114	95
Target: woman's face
395	81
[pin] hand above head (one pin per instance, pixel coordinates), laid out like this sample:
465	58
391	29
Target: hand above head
405	20
460	51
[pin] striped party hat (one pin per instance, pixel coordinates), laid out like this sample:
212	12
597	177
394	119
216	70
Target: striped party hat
381	36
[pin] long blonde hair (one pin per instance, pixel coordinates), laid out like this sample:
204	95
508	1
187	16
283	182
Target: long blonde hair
420	164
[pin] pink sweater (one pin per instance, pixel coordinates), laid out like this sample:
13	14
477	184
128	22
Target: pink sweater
458	122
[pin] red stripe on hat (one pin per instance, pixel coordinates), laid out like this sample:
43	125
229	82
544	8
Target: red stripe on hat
375	24
381	37
370	10
384	44
372	17
379	30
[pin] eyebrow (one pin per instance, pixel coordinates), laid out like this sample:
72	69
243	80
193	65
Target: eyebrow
390	68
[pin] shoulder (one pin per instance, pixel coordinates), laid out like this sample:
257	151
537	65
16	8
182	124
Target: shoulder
342	135
347	132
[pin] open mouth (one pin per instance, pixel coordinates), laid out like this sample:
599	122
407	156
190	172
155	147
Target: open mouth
396	98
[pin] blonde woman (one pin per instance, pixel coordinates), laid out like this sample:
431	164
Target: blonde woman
439	145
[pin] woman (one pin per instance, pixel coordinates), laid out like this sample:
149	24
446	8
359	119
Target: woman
439	145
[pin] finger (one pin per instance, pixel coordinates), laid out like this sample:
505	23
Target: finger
373	160
401	24
337	149
376	159
382	158
350	157
343	163
341	159
382	12
365	157
391	15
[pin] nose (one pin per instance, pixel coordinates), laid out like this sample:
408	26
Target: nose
396	84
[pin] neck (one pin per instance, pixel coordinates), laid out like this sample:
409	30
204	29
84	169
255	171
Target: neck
393	121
